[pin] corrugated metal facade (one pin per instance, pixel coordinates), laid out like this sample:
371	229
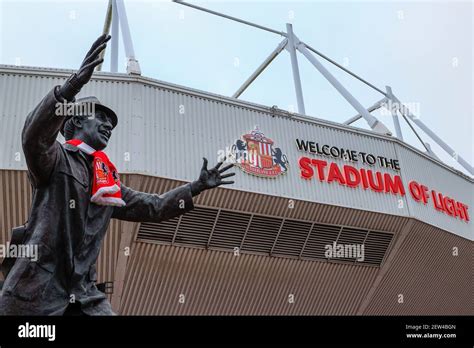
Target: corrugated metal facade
216	282
416	168
441	282
151	279
164	130
176	126
15	198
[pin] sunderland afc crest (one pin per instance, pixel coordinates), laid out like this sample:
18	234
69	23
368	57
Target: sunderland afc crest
101	171
256	154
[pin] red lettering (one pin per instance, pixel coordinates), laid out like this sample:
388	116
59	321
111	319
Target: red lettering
320	165
458	211
395	186
376	187
353	181
381	182
465	212
414	190
335	174
363	176
462	209
418	192
306	170
436	204
448	205
424	189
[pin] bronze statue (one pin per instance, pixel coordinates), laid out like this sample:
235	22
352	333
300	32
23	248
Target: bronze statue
76	191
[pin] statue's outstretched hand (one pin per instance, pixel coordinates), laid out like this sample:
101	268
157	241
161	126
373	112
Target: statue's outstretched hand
76	81
92	59
211	178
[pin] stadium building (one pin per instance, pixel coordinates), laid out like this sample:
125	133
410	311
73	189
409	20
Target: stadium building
323	219
260	246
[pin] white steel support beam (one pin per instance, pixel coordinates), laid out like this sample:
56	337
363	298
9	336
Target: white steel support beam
293	44
396	124
375	124
406	112
114	39
393	110
105	30
425	145
132	64
430	151
291	47
343	69
230	17
374	107
261	68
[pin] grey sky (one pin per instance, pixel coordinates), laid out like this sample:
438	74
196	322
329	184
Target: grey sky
423	49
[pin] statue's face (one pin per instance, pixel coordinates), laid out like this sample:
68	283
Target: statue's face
95	131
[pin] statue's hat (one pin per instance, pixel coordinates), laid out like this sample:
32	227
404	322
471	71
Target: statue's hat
92	103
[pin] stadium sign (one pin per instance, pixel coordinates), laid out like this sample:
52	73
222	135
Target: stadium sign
371	179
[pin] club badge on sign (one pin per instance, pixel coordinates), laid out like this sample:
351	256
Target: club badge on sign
256	154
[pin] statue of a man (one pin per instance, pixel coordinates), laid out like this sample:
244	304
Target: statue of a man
76	191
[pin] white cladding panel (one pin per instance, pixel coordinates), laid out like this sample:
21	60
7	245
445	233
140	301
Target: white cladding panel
165	130
178	141
416	167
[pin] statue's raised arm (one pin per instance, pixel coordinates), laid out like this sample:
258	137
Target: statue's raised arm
43	124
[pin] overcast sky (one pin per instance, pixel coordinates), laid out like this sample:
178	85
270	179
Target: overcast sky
422	49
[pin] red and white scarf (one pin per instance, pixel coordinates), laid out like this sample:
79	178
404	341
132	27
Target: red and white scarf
106	181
